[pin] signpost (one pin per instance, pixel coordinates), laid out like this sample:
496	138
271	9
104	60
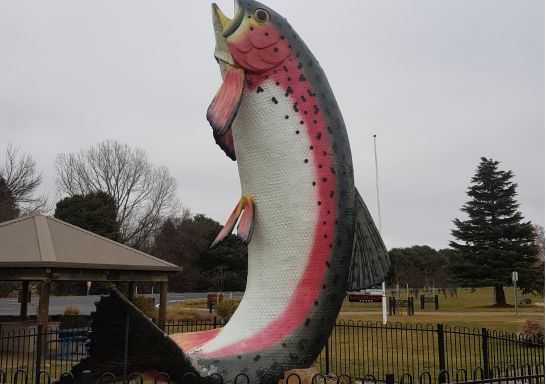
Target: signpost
515	281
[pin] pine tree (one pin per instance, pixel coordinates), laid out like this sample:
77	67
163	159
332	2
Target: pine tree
494	240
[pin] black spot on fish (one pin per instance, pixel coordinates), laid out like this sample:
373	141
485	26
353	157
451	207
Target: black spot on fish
333	170
307	322
319	202
314	183
325	236
311	93
330	130
289	78
259	90
289	90
300	65
324	153
324	179
336	222
267	33
331	194
302	122
306	161
320	166
274	100
277	83
296	107
297	132
284	68
251	28
319	136
314	121
328	212
286	117
330	246
239	357
276	49
324	222
284	345
316	302
282	37
323	286
305	112
311	147
297	53
303	98
257	358
302	78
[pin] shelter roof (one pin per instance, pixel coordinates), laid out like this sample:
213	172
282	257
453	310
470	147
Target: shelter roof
43	241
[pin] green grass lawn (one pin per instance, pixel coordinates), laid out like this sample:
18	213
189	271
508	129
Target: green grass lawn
467	309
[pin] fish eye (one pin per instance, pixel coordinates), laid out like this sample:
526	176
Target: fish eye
261	15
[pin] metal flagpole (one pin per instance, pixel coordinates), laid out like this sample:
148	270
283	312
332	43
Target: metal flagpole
383	287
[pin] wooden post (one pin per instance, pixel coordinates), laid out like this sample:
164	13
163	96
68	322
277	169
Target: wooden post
43	304
24	300
131	293
163	305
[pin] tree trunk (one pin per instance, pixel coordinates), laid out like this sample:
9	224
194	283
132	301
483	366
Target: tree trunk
500	299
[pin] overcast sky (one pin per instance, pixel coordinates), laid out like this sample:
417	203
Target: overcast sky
440	82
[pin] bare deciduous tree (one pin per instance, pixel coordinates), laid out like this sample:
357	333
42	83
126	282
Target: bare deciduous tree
145	194
22	179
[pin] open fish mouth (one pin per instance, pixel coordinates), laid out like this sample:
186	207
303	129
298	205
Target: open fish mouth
224	27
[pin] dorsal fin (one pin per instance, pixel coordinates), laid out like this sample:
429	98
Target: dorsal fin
370	261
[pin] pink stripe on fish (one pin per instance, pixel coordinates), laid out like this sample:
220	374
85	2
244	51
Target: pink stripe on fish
292	80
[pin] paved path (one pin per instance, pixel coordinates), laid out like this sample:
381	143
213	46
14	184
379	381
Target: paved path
86	304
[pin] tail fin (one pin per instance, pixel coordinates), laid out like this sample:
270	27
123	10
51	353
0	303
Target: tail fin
148	347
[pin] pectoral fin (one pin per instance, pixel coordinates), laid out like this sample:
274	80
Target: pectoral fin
246	224
370	261
244	210
224	107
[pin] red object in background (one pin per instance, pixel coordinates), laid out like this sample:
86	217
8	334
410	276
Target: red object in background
363	298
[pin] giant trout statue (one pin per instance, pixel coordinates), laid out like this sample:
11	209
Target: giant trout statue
310	237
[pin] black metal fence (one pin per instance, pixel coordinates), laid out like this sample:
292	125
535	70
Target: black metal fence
360	348
513	375
357	349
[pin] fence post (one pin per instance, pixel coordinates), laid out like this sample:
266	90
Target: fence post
126	348
85	377
38	368
422	302
485	352
214	322
327	353
409	306
441	352
389	378
436	302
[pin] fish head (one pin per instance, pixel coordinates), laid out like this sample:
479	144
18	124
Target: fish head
252	40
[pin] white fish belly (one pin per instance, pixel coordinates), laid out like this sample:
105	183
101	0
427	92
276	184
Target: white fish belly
272	147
